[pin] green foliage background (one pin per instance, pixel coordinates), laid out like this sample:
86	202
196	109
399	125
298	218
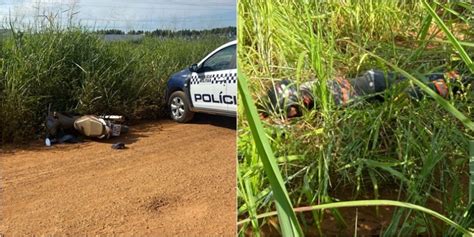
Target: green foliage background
75	70
399	149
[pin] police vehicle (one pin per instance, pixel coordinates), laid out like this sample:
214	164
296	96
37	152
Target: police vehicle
209	86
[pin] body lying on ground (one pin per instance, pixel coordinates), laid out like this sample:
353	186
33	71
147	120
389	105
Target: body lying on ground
286	97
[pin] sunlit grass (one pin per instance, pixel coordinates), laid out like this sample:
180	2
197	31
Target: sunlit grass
71	69
419	148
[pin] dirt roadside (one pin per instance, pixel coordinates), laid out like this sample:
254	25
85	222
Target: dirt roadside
174	179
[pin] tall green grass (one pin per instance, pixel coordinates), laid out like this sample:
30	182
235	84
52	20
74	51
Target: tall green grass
289	223
416	149
71	69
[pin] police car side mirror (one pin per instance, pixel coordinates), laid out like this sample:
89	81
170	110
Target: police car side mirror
194	68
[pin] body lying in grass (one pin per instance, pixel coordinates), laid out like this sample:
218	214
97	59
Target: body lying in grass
286	97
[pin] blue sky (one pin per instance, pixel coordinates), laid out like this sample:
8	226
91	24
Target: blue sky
128	14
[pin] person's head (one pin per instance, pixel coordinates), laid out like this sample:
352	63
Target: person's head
52	126
283	97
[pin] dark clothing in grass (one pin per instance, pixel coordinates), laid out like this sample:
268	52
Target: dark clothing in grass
284	96
374	82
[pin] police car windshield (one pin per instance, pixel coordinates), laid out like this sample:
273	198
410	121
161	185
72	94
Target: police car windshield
222	60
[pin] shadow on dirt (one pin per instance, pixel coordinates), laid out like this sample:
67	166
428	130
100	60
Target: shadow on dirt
136	132
216	120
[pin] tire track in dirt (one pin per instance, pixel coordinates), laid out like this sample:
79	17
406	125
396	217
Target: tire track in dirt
174	179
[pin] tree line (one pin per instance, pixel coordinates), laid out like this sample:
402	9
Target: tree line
225	31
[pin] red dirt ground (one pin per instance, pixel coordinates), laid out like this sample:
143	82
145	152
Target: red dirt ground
174	179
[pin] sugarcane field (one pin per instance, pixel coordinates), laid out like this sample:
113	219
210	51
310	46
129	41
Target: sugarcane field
357	118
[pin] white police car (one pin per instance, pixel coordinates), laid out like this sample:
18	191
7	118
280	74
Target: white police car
209	86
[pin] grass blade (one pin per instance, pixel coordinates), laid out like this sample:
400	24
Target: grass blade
368	203
471	173
287	217
441	101
450	36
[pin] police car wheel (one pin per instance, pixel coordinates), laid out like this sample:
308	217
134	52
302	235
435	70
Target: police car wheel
179	107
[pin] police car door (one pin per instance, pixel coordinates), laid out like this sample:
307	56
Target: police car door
208	84
232	86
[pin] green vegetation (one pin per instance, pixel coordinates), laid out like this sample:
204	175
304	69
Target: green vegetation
416	152
75	70
224	32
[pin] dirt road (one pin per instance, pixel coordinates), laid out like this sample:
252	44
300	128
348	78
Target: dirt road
174	179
